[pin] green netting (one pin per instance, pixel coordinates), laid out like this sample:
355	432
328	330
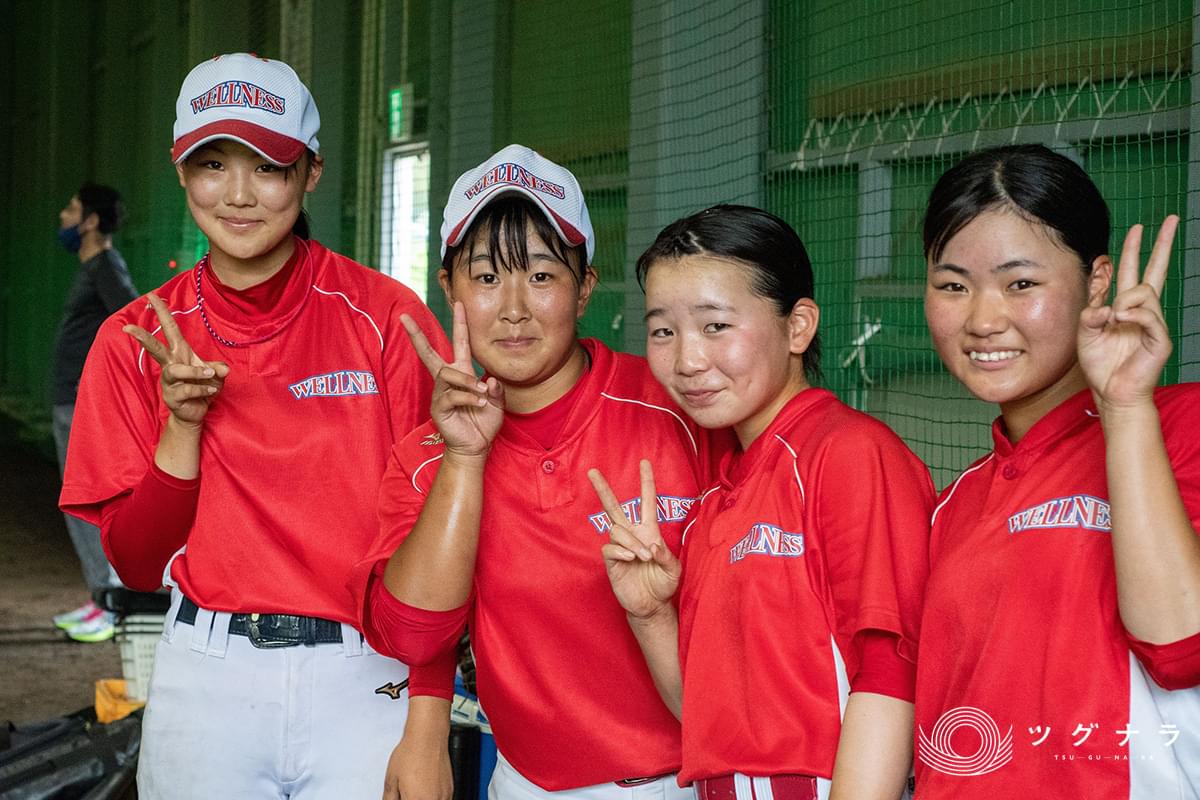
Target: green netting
839	117
870	102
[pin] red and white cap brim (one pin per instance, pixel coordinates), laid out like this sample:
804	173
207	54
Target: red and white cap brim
271	145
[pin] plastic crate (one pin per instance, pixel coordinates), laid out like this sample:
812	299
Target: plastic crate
137	637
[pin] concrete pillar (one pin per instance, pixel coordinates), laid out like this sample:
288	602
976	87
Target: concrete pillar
697	129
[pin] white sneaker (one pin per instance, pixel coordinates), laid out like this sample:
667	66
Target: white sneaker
69	619
99	626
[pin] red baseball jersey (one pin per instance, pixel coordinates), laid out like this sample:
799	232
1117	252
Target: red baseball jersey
294	447
816	532
560	675
1027	679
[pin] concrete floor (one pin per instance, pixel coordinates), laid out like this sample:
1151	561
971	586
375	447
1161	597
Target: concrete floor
42	673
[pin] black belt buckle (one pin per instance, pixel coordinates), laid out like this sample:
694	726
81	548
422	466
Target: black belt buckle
265	640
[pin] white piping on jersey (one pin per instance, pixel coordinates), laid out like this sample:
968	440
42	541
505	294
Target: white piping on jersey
843	690
420	467
954	487
795	470
1091	413
843	680
154	332
692	439
762	788
356	308
688	527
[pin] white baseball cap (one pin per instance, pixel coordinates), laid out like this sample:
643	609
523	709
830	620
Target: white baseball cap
256	101
517	169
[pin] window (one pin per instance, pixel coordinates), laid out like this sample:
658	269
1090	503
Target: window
404	251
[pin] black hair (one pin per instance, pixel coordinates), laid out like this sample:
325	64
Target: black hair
1031	180
301	227
502	224
105	202
780	269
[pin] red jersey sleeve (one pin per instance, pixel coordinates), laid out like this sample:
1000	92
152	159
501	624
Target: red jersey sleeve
409	384
435	679
1171	666
141	531
412	635
402	494
116	425
874	501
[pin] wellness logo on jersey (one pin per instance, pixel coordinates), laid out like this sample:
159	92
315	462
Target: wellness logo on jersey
1073	511
670	509
765	539
340	383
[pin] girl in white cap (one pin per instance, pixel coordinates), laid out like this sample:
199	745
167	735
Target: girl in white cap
487	511
231	435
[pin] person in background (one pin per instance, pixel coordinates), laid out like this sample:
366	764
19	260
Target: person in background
101	287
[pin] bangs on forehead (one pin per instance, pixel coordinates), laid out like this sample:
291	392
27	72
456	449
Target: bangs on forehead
500	229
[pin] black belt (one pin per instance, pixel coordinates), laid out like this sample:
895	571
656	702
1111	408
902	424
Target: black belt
273	630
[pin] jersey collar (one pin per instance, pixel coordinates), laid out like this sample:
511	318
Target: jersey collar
586	391
265	308
736	465
1067	417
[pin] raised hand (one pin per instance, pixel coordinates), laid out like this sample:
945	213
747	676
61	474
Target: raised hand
468	412
643	571
1123	347
189	383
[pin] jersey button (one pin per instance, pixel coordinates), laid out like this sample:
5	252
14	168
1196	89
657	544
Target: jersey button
547	466
1009	472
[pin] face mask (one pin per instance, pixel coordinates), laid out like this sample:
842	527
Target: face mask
70	238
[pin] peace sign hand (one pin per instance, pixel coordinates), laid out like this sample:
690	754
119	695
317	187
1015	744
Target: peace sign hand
468	412
189	383
1122	347
643	571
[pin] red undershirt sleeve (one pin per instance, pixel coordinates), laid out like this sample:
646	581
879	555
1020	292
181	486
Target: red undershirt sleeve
435	679
882	670
141	530
1172	666
407	633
